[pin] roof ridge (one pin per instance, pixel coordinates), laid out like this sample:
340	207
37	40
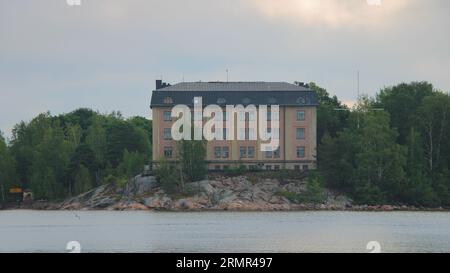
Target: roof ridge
235	86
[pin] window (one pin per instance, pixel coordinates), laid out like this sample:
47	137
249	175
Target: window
217	152
301	100
276	116
218	116
305	167
168	152
277	167
251	152
252	116
198	116
226	152
221	101
168	100
301	152
167	134
217	167
300	115
269	154
268	167
275	133
243	152
225	133
276	153
246	101
167	116
242	134
300	133
269	116
242	116
297	167
252	134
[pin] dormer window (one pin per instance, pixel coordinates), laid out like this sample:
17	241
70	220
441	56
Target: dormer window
246	101
272	100
301	100
221	101
168	100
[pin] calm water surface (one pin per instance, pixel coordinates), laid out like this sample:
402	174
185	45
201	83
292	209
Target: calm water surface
103	231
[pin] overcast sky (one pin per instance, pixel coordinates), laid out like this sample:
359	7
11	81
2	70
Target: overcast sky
106	54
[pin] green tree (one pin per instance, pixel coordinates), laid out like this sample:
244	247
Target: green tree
7	169
50	150
402	102
336	160
380	161
74	135
96	140
81	117
143	127
366	161
418	190
132	163
435	123
123	136
83	180
84	157
50	164
25	138
168	175
192	154
315	192
331	113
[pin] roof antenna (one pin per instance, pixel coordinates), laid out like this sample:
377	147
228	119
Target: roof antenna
227	73
358	84
358	99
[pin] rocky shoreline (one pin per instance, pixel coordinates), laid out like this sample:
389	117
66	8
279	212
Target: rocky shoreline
219	193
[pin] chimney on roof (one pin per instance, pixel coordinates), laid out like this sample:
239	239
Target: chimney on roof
302	84
160	84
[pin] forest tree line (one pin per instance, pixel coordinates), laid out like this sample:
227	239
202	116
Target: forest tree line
64	155
391	148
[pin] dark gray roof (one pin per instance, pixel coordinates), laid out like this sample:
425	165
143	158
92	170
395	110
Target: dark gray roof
234	86
233	93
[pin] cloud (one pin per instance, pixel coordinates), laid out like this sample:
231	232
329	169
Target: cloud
332	13
106	54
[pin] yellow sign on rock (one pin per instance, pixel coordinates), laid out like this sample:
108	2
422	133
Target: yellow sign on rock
15	190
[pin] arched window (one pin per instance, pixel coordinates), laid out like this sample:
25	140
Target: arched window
221	101
168	100
301	100
246	100
272	100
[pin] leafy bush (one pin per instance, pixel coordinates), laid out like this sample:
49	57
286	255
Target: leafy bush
169	177
291	196
314	190
241	169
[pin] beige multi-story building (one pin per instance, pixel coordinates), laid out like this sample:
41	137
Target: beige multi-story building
297	122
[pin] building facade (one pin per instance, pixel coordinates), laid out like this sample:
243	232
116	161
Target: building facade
297	122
